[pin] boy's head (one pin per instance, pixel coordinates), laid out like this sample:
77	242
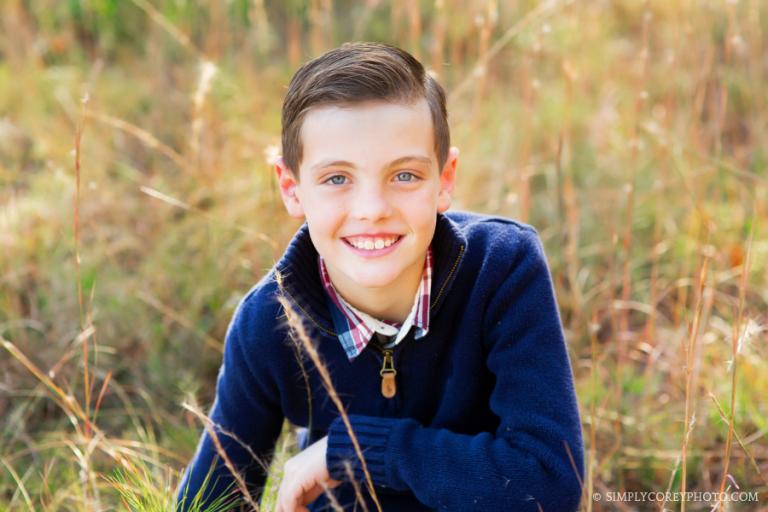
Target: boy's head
355	73
367	162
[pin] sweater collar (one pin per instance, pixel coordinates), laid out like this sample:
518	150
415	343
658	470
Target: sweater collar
304	288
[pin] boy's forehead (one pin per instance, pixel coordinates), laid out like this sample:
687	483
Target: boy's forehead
371	132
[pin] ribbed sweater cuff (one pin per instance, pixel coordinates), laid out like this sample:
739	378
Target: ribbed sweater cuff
372	434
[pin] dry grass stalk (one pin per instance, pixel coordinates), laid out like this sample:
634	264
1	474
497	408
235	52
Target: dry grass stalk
297	327
178	203
414	28
86	324
142	135
727	419
153	301
537	14
332	501
76	221
486	24
207	72
355	485
200	414
179	36
438	34
734	354
19	485
67	403
592	453
209	428
689	367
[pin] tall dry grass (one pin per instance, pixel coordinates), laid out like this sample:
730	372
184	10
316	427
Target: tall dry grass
631	134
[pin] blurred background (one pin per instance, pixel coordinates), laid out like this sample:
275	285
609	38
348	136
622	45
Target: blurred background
137	206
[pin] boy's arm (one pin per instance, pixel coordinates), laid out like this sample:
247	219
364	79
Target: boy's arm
525	463
246	417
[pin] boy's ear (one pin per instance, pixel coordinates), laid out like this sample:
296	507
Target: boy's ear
447	180
288	185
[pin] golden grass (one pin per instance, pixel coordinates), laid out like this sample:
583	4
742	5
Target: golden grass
631	134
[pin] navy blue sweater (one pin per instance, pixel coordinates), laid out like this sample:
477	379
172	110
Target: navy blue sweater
485	415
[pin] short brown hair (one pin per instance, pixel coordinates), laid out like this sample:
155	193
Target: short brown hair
354	73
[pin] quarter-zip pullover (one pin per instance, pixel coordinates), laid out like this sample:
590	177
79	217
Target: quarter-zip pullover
484	417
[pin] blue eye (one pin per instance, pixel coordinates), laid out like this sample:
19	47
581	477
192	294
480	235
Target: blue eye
336	179
405	176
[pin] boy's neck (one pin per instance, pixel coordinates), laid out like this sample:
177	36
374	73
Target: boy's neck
388	303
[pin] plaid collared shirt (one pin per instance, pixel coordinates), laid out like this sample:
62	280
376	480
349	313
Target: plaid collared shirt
361	326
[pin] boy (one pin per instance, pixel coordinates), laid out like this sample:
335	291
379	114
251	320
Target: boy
440	330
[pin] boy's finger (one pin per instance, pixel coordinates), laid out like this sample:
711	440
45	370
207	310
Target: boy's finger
286	498
311	495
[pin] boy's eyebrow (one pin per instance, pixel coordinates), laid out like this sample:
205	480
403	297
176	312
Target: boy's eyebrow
344	163
404	159
331	163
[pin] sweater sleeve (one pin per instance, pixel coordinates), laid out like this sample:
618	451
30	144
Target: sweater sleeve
246	417
534	459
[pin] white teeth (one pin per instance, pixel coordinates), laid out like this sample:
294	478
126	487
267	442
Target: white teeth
370	244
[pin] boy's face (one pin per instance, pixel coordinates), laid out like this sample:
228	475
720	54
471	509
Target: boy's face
370	189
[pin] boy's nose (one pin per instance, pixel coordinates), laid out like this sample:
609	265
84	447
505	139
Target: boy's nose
370	203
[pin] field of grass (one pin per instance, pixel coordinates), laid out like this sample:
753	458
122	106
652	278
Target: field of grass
137	206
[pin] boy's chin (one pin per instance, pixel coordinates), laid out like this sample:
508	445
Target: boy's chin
375	276
373	281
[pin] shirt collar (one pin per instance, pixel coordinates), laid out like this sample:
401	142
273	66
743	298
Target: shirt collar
300	283
357	328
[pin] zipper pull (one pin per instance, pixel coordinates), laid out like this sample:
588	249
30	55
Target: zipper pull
388	372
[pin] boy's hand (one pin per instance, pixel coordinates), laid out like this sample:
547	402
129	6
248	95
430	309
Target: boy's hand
303	475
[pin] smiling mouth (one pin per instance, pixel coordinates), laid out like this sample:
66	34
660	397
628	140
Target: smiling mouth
372	243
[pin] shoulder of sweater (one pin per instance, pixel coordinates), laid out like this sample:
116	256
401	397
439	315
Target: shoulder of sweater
497	239
473	221
258	320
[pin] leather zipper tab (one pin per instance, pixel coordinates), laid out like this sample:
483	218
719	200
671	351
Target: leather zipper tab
388	372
